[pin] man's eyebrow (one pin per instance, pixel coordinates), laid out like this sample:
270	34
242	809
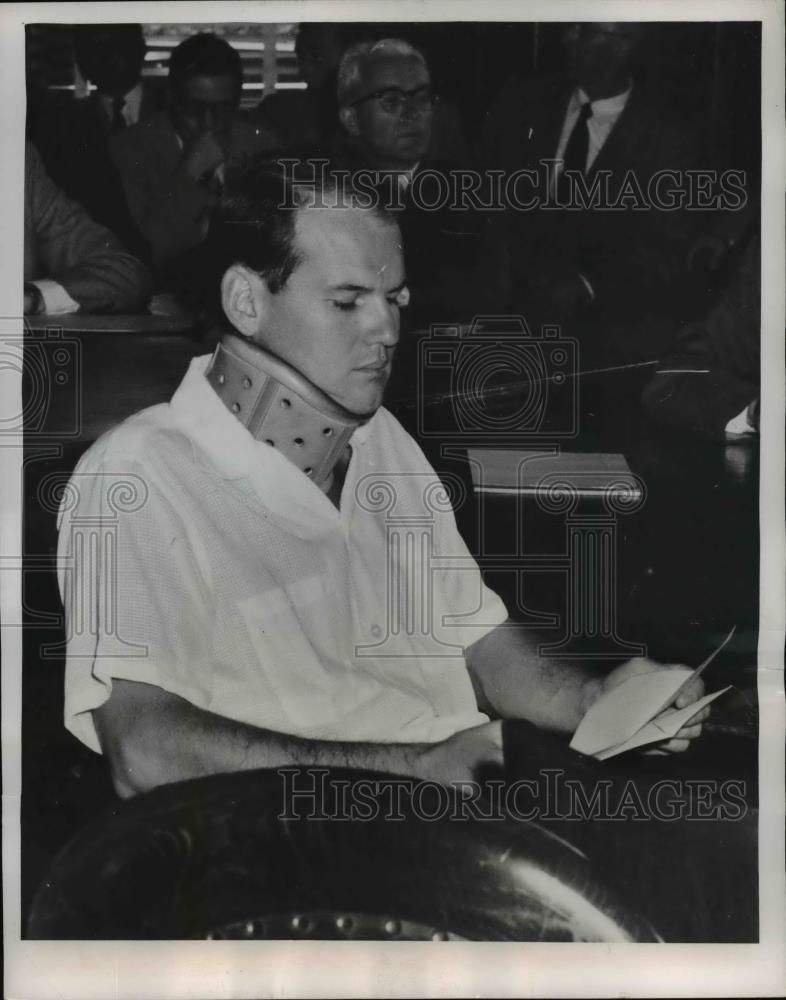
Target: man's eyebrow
350	287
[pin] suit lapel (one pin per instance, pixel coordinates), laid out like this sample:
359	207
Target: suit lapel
627	141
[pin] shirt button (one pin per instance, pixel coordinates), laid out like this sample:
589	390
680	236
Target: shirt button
376	631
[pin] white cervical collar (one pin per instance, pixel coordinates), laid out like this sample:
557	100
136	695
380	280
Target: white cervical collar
279	406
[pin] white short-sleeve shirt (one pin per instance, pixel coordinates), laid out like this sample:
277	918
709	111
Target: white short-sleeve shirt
197	559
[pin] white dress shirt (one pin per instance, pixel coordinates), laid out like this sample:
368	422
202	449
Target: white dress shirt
222	574
56	300
605	113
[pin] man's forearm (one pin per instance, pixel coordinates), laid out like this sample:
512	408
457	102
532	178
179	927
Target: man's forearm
513	681
153	738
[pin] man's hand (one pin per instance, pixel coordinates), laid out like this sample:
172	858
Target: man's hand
203	156
459	758
690	693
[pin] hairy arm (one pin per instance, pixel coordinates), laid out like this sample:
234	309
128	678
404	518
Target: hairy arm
152	738
513	681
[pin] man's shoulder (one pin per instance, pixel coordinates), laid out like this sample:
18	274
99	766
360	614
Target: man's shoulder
656	135
389	438
141	442
124	468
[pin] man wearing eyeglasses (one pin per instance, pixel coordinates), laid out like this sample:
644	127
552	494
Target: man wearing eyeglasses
389	114
386	104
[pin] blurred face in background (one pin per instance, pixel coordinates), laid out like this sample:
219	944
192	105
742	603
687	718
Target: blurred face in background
599	55
392	117
205	104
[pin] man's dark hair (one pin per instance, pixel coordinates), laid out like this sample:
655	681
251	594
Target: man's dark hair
254	222
97	45
204	54
85	36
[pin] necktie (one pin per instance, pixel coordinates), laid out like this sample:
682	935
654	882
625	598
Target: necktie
118	119
575	155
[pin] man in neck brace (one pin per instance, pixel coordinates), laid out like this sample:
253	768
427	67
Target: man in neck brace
266	571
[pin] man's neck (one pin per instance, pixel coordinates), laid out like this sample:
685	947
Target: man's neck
311	430
388	166
603	91
394	168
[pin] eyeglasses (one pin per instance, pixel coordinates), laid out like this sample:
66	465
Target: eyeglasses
393	100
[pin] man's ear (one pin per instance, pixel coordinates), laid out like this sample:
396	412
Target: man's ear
244	299
349	119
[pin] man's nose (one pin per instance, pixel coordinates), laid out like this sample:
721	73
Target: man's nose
386	325
410	110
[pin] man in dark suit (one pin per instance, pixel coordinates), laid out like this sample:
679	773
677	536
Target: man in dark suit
604	273
172	166
71	263
73	139
709	381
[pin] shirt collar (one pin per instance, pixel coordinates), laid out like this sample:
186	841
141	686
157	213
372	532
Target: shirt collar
132	106
405	176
